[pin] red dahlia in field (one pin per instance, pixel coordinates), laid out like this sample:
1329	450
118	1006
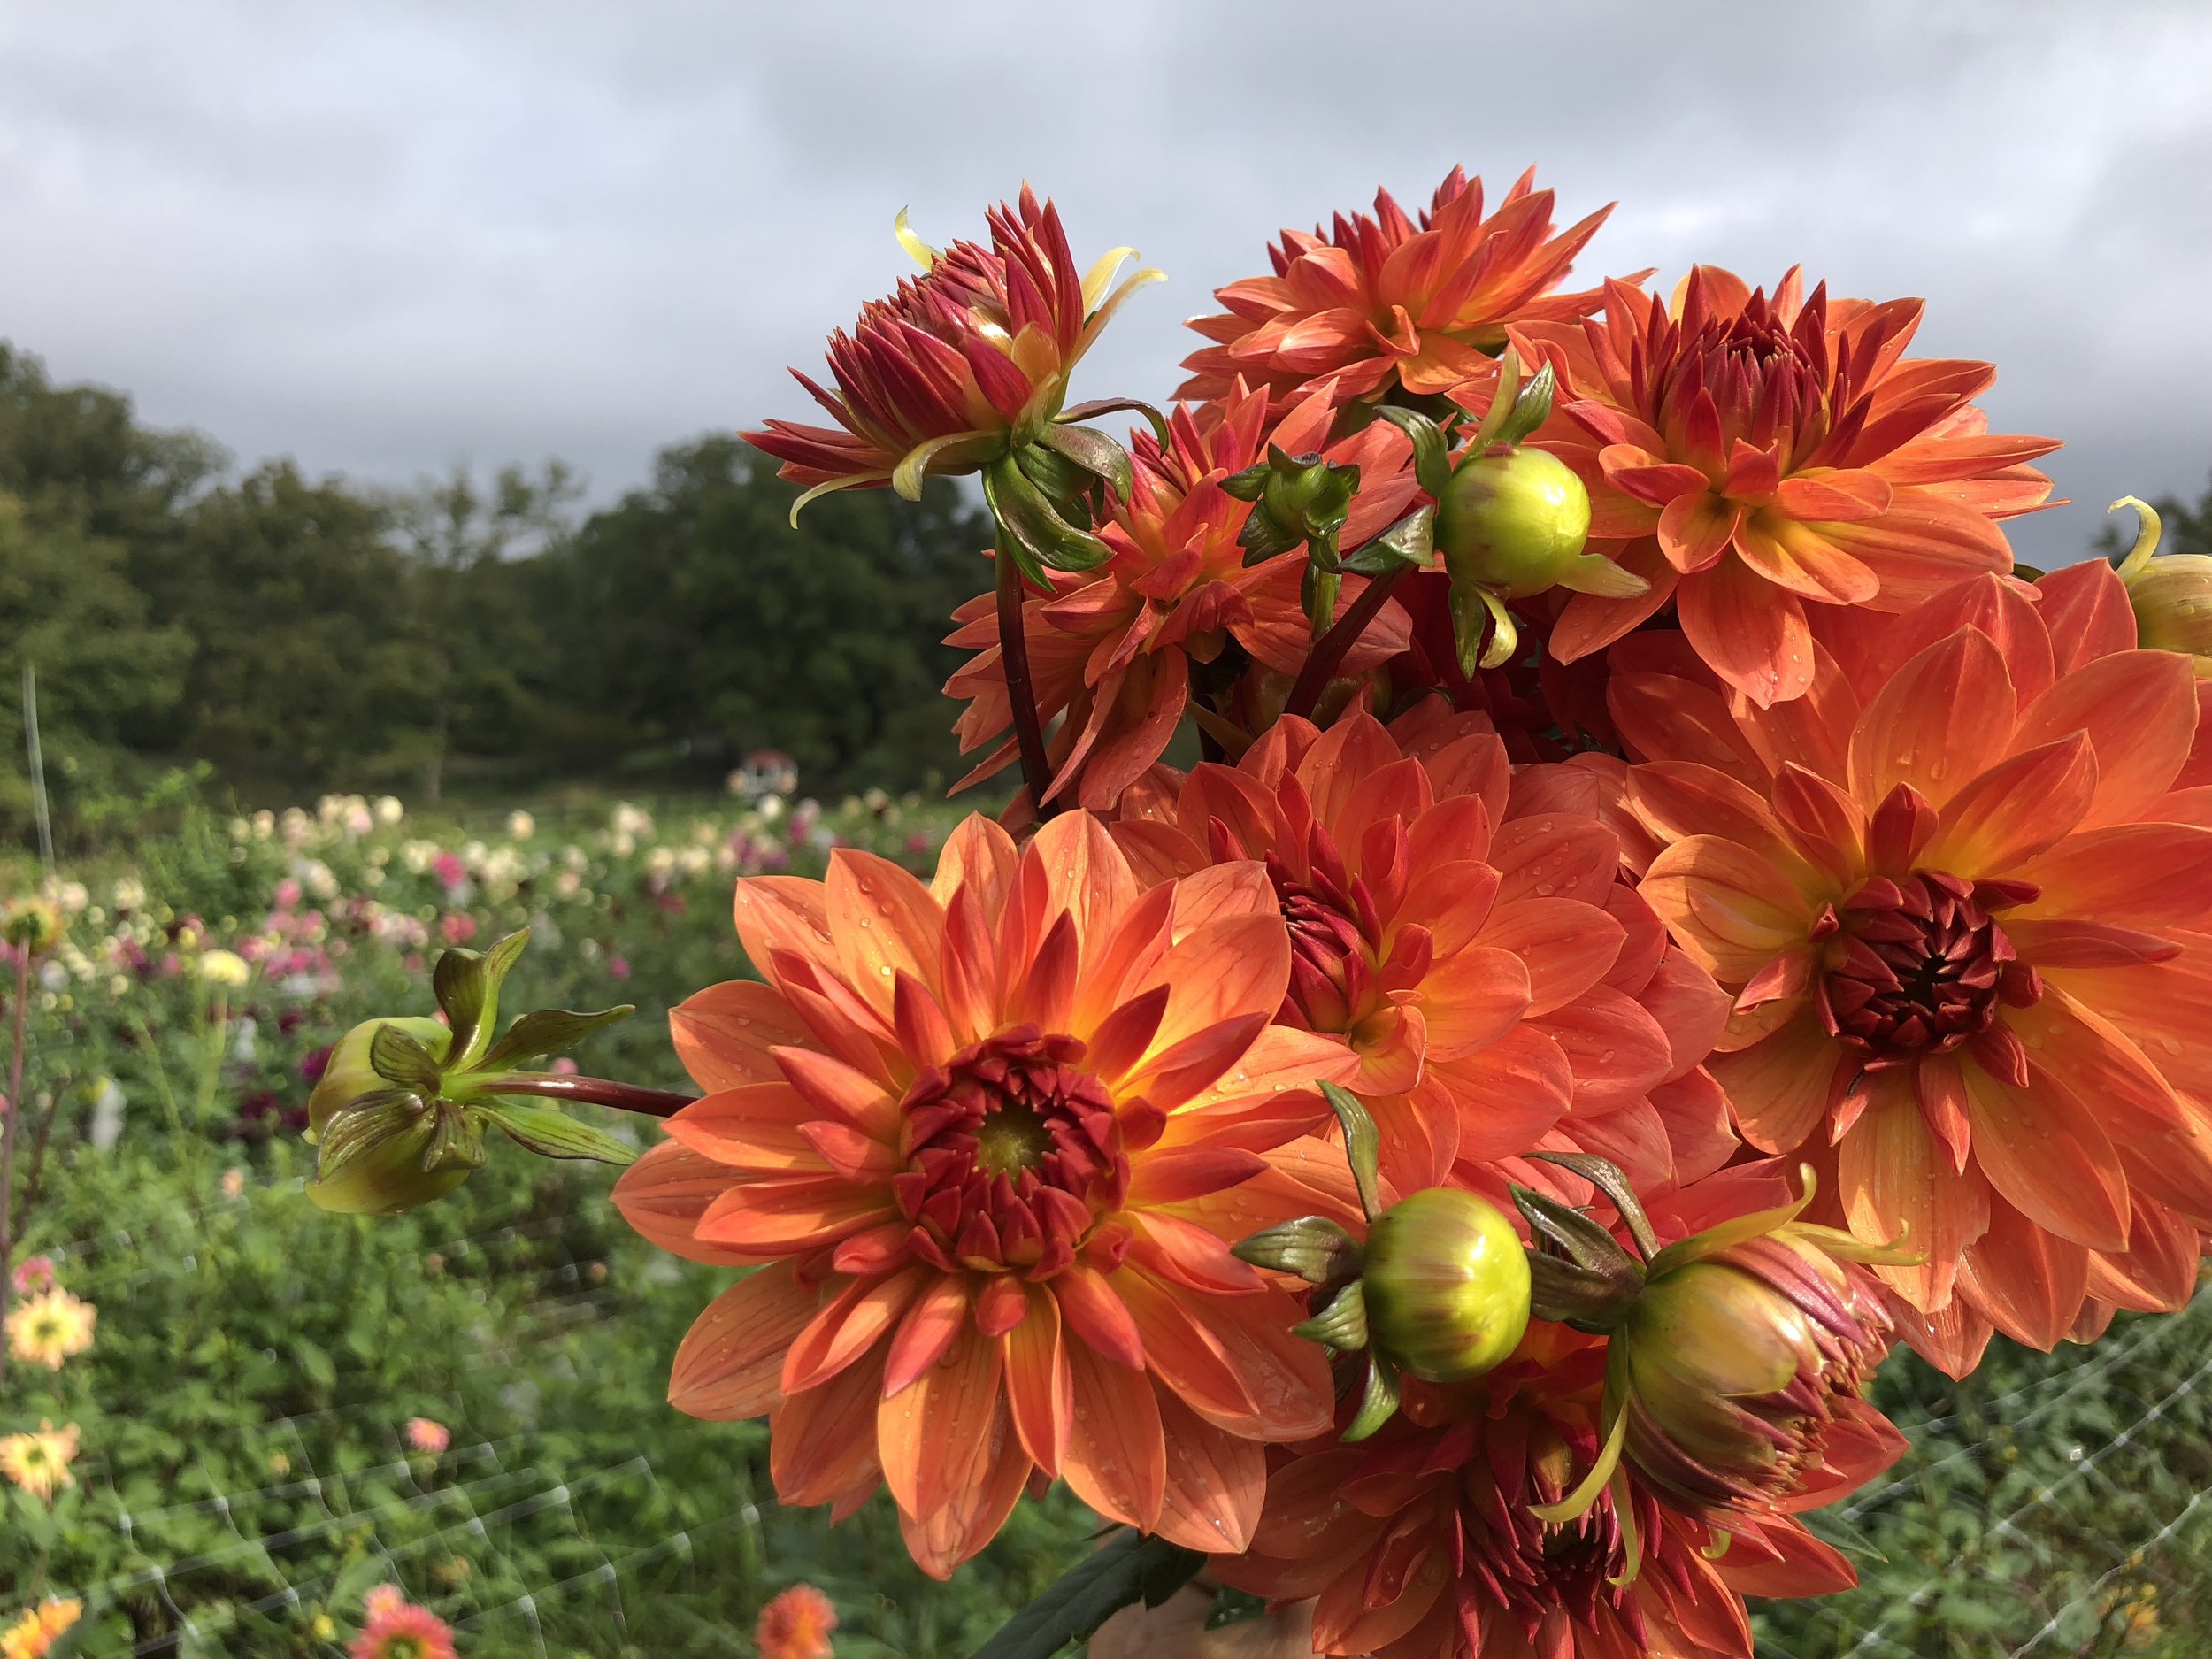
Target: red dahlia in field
1422	1543
1962	891
1380	301
961	365
1113	648
988	1134
1749	455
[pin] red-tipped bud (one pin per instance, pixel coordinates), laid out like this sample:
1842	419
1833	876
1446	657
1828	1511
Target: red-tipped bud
1446	1283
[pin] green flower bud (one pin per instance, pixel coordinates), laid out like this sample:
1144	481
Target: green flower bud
348	1075
1512	520
2173	608
1446	1283
411	1154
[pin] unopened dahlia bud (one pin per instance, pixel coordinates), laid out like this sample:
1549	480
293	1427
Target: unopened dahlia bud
348	1075
1515	520
1445	1285
2171	593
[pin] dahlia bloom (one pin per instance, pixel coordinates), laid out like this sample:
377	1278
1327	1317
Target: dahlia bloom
1749	455
992	1136
396	1628
49	1329
1384	301
797	1624
1961	891
1112	649
1462	931
966	363
427	1437
1424	1541
33	1636
39	1462
33	1274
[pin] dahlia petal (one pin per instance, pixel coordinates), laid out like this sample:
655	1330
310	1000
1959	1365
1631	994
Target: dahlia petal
1665	717
1750	631
1820	493
1630	1133
1893	1178
1676	799
933	1322
1923	545
2139	709
1799	559
1617	1049
1222	891
1169	1175
755	1130
2093	1060
1182	1354
1039	1390
979	855
2158	1272
1781	1559
853	1322
822	1443
1781	1087
1951	1339
2026	1281
787	1216
885	923
1690	1008
1115	1459
832	1089
1216	1483
1592	622
1452	899
1279	1071
1178	1252
1345	1621
2153	876
1555	857
979	1504
665	1192
1695	530
782	913
1731	910
2085	607
1095	1317
1813	731
1566	945
2050	1158
1700	1131
1171	1076
2023	806
1944	718
1134	953
1224	971
730	1364
722	1034
931	1434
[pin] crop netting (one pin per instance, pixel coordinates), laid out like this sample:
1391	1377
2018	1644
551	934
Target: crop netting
2051	1505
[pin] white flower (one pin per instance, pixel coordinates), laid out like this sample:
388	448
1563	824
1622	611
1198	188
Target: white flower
295	827
107	1116
388	811
770	809
264	824
520	824
130	893
631	820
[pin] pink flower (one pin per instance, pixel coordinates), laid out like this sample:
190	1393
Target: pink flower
449	869
564	1067
287	893
425	1436
234	1183
397	1629
618	967
917	842
34	1274
458	927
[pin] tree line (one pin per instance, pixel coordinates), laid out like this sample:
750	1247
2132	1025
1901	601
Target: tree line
296	634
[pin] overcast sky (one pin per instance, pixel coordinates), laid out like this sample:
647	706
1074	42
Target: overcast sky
385	238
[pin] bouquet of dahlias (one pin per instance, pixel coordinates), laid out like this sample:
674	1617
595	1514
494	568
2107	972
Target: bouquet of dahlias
1663	908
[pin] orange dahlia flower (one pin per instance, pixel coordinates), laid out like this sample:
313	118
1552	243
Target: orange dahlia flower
1383	301
960	366
990	1133
797	1623
1461	931
1421	1543
1963	891
1112	649
1747	455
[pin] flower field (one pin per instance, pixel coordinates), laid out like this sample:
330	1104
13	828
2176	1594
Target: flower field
263	1414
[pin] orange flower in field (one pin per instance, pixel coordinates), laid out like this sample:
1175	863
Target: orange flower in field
1381	302
1462	931
1112	649
960	366
796	1625
1962	891
1748	456
993	1135
1421	1544
33	1636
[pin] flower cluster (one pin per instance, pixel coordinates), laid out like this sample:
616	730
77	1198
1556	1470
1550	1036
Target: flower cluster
33	1636
1564	896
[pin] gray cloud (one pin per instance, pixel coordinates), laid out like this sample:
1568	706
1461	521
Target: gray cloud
388	236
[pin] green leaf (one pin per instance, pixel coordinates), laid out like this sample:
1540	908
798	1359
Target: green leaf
1098	406
1341	1324
1094	452
1362	1145
454	1141
464	990
552	1135
1031	528
1409	543
1530	409
548	1031
1609	1177
1378	1402
1586	1244
1432	450
398	1058
366	1121
1127	1570
1312	1247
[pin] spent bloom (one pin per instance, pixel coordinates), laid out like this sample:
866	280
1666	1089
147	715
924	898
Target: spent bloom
33	1636
1956	892
1383	301
39	1462
1748	456
48	1329
961	365
994	1135
795	1625
424	1436
396	1628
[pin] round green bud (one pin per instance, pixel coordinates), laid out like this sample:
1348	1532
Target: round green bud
1513	521
348	1075
1446	1283
388	1178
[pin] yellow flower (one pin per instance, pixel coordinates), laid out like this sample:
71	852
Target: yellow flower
224	967
39	1462
49	1329
31	1636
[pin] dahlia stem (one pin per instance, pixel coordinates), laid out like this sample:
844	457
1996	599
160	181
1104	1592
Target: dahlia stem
592	1091
7	1148
1329	650
1013	649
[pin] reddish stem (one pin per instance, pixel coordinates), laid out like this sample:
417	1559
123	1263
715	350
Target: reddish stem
1329	650
593	1091
1013	649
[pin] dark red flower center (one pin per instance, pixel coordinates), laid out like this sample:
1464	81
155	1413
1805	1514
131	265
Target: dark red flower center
1012	1152
1920	966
